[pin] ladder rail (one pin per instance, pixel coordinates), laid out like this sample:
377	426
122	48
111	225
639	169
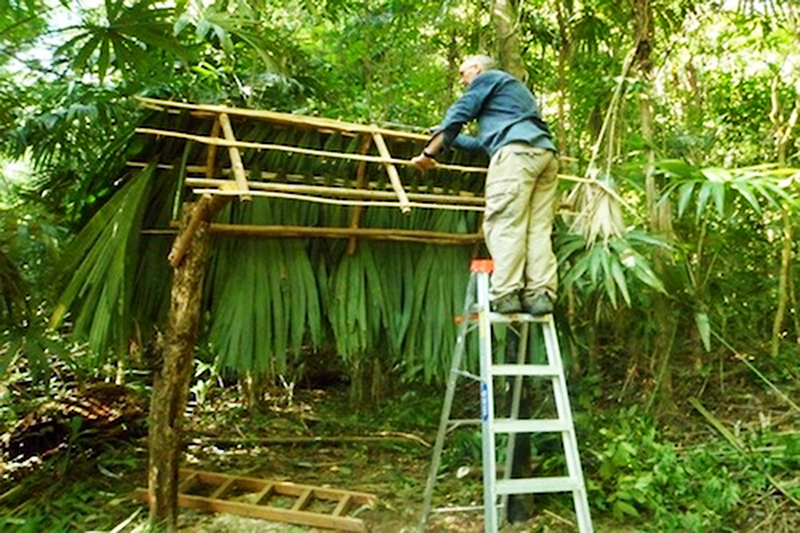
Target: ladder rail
455	369
569	438
487	408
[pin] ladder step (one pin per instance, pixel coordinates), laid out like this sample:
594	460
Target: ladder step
518	317
525	370
537	485
507	425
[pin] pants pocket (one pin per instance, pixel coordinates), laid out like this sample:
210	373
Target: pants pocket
499	196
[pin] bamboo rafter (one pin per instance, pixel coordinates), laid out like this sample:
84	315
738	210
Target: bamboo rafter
283	118
236	157
341	192
333	201
295	150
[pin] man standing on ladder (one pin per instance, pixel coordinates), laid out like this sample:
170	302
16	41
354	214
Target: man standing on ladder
520	185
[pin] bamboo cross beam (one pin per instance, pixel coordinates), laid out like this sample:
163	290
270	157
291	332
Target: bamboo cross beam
394	176
340	192
296	179
296	150
285	118
332	201
433	237
236	157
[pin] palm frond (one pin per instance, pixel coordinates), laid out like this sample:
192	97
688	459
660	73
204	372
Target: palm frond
756	186
606	269
100	263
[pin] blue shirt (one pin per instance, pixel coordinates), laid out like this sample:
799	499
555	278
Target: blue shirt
506	111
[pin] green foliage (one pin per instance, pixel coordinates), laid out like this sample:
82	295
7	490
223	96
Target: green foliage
604	270
266	287
642	476
102	261
709	186
124	41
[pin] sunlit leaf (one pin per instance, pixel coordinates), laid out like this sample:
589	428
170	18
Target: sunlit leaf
704	328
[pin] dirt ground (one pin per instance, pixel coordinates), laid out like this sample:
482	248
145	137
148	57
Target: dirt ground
304	438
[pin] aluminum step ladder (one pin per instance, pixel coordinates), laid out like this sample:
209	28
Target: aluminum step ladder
477	313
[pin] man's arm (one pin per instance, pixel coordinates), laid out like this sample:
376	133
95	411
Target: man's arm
465	109
468	142
427	159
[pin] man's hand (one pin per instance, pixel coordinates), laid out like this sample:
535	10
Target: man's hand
424	162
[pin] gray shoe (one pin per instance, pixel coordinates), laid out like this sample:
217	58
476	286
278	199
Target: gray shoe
539	304
507	304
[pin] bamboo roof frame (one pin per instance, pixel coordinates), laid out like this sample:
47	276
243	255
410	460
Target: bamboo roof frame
213	184
237	185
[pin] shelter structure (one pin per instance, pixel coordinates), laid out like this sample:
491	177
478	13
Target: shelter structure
218	153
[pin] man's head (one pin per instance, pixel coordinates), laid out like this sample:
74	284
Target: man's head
473	66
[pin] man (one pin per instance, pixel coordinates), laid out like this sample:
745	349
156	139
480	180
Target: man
520	184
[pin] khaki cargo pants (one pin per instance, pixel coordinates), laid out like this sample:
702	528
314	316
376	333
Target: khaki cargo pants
518	222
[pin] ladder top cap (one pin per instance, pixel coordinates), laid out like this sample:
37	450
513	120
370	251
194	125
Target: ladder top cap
481	266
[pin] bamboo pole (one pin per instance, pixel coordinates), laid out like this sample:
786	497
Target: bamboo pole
285	118
236	157
248	230
211	153
332	201
341	192
394	176
293	149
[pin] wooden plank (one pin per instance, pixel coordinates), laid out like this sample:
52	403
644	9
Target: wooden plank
394	176
220	491
303	500
264	494
264	489
188	482
341	508
305	518
236	157
282	487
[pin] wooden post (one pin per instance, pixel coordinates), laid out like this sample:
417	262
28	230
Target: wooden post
360	182
171	384
211	151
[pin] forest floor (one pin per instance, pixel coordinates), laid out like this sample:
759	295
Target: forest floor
312	437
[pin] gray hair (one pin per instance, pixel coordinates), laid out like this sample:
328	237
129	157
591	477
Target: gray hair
483	61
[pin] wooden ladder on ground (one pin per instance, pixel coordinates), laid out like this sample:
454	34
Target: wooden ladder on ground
271	500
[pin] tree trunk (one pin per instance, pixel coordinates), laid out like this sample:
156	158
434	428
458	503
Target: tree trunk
659	217
563	60
509	52
171	384
783	284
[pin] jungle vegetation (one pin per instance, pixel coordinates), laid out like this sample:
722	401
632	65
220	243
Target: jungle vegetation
680	288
